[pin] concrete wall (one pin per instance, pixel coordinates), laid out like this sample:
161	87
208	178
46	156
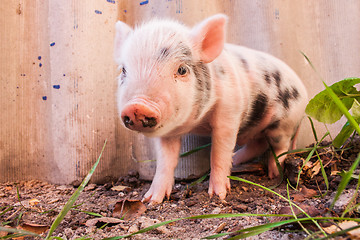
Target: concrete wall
58	78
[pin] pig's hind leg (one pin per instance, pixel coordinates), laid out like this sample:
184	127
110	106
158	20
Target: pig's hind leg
280	142
250	150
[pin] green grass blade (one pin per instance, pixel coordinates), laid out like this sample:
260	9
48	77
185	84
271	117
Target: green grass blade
195	150
88	212
345	180
7	208
293	212
352	200
313	129
223	215
74	197
323	174
309	157
199	180
270	226
279	195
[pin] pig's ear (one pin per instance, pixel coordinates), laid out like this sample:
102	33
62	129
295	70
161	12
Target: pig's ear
122	32
209	37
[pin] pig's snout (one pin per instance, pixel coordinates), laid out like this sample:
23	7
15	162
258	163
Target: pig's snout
140	117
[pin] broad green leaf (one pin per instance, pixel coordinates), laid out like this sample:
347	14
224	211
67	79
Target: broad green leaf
324	109
344	134
348	129
356	110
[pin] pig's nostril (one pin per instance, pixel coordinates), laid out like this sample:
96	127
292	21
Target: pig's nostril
128	122
149	122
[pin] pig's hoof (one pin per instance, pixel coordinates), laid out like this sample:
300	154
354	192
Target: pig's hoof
219	189
156	194
153	198
273	171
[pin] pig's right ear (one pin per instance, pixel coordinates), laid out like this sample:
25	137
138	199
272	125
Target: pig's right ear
122	32
208	37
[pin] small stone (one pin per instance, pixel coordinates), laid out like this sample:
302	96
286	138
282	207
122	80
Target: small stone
241	207
343	200
133	228
216	210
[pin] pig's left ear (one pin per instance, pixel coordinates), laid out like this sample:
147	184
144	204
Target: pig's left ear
209	37
122	32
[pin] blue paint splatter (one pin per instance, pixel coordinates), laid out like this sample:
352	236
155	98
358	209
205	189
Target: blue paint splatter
111	1
125	11
144	2
40	64
56	86
98	12
52	44
44	98
39	57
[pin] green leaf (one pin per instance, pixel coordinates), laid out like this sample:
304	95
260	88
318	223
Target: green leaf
343	135
356	110
348	129
324	109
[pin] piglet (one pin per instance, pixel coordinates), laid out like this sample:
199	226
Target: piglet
176	80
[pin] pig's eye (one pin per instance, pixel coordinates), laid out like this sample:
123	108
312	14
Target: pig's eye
182	70
123	71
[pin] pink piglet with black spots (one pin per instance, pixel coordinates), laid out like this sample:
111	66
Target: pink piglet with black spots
176	80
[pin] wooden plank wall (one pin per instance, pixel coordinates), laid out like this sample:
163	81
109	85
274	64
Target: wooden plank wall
58	78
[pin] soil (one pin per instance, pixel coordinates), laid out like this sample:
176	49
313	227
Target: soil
38	203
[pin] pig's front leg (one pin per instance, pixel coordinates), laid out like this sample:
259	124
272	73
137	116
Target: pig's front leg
223	143
167	158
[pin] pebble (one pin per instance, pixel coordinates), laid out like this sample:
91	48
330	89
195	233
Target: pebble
148	222
216	210
343	200
133	228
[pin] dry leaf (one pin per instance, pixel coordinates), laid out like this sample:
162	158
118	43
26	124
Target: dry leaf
220	227
32	227
316	169
34	202
298	197
129	209
120	188
354	234
99	222
303	194
308	193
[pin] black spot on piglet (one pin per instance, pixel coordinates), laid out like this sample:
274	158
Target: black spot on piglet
257	113
267	77
277	77
258	108
287	95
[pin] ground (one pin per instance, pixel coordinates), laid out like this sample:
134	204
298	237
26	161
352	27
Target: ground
37	203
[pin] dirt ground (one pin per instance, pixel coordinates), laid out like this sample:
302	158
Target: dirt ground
38	203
